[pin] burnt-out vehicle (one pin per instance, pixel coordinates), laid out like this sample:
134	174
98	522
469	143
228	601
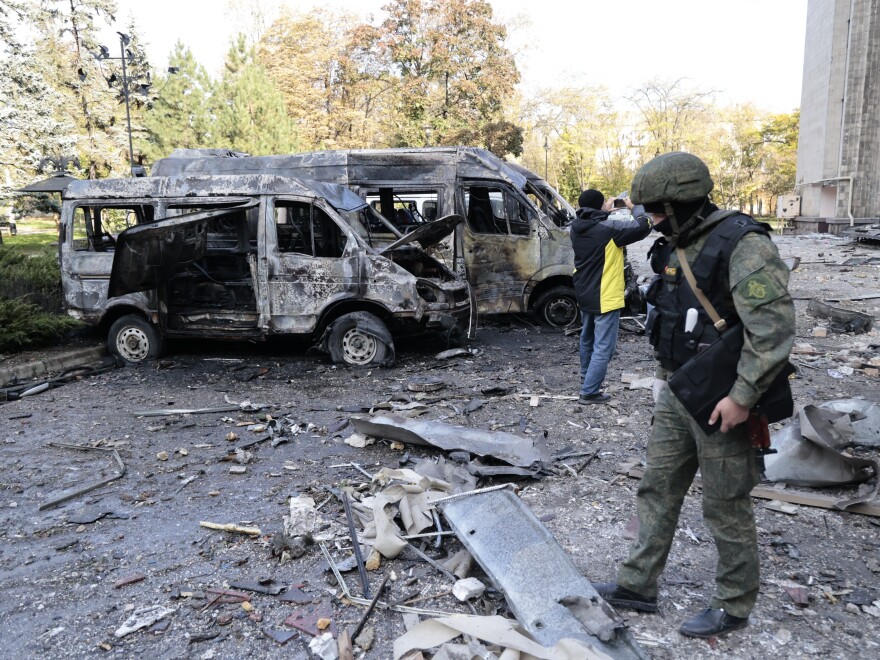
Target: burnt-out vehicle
248	257
516	257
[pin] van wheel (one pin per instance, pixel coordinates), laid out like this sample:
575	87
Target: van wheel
360	339
557	307
134	339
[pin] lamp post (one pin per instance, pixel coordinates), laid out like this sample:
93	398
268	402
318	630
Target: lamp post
124	40
546	155
143	81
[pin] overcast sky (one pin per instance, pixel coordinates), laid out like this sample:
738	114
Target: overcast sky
745	50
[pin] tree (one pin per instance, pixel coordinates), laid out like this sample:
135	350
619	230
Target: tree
325	67
736	163
780	137
251	115
452	69
180	116
33	125
672	115
68	53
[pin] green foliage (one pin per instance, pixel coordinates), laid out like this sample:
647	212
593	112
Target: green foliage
36	204
180	115
33	244
26	325
34	279
451	70
30	299
251	115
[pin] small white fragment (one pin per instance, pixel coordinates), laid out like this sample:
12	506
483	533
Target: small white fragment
468	588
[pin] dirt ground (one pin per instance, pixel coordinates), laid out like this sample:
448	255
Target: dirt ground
63	571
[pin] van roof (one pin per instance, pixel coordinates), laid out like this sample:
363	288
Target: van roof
349	166
207	185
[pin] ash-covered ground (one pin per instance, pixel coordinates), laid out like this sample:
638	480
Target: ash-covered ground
63	570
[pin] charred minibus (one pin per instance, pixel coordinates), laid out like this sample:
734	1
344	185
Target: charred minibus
515	256
248	257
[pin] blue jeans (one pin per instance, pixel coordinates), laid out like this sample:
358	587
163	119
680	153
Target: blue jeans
598	341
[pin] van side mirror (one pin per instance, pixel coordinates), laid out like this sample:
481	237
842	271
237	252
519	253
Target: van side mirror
62	234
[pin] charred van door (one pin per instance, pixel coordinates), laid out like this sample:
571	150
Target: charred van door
309	264
500	246
87	249
199	265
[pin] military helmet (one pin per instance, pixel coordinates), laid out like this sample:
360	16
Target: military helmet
672	177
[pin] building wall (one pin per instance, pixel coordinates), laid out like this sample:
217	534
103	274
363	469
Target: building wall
840	109
860	152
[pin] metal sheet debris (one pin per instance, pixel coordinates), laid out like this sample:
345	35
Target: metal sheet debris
91	487
183	411
511	449
808	453
843	320
865	419
141	618
543	588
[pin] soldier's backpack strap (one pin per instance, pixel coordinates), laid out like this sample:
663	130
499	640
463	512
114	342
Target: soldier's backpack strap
719	323
716	251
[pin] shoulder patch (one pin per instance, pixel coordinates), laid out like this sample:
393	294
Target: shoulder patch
758	288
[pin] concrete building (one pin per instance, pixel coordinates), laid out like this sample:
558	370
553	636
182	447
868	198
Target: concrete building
838	161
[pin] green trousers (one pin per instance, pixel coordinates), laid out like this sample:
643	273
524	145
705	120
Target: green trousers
726	461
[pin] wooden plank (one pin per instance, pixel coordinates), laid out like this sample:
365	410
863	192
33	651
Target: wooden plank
814	500
806	499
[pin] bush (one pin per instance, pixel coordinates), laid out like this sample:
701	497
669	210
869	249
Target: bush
31	302
32	279
24	324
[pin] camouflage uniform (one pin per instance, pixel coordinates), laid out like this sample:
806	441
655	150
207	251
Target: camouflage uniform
678	446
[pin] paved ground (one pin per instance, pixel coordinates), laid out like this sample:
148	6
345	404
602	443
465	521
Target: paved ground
58	570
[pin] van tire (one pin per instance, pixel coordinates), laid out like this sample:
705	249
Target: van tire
134	339
557	307
360	339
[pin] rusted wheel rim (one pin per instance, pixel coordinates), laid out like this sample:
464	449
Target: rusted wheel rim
133	344
358	347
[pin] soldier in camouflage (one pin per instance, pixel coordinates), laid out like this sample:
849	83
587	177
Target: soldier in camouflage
746	279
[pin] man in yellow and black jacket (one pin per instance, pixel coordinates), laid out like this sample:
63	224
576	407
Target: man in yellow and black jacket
599	283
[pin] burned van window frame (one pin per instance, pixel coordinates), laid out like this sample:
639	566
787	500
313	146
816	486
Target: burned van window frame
317	235
407	215
232	233
515	219
92	231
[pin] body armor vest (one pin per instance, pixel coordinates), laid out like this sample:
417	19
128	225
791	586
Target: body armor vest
672	296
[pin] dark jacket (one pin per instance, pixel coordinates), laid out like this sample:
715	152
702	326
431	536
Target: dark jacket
598	256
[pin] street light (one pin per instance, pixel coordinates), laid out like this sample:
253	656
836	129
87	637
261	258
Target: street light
127	57
546	155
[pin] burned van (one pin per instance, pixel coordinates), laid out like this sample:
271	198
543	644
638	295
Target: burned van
248	257
516	257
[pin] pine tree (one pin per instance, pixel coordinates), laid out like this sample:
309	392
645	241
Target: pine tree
33	125
180	116
251	115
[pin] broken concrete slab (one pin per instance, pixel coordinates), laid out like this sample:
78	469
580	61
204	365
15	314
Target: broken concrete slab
506	447
543	588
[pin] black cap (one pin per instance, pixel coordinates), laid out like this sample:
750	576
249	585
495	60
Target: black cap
591	199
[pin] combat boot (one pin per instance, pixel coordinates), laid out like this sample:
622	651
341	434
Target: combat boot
712	623
618	596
